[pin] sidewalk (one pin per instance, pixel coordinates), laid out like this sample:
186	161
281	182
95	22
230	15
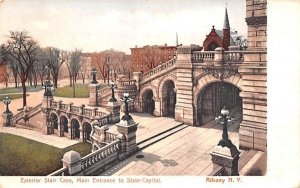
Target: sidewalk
52	140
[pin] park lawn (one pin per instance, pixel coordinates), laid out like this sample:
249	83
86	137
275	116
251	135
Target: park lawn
81	91
24	157
8	90
12	96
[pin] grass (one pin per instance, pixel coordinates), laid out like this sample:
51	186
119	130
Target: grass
81	91
8	90
24	157
12	96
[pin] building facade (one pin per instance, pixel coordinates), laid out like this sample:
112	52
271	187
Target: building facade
146	58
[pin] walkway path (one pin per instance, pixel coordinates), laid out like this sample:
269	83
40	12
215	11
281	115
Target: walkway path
184	153
52	140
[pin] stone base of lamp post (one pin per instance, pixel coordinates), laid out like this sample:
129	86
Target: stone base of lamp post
227	158
7	119
114	109
128	129
93	94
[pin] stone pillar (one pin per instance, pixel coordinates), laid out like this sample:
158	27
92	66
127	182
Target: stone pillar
93	94
46	104
184	109
158	108
137	76
122	139
72	160
69	135
114	109
7	119
226	157
128	129
103	130
219	52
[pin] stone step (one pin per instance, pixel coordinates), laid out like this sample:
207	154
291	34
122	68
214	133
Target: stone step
156	138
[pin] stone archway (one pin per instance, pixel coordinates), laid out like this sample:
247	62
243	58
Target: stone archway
168	98
75	129
213	97
64	130
148	104
54	121
87	129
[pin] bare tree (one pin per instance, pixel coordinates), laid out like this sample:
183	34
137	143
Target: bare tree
84	67
101	60
6	75
55	58
23	50
73	65
151	57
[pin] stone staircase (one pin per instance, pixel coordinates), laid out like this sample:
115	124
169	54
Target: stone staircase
161	69
160	136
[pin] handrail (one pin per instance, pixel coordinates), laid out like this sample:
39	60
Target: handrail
159	68
218	171
203	56
60	172
100	154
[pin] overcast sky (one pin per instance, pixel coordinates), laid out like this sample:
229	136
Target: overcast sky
96	25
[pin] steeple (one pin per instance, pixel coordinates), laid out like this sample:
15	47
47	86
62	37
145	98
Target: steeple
226	21
176	39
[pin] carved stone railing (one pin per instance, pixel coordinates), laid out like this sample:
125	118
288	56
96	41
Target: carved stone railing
17	117
102	117
103	120
218	171
100	114
75	109
34	110
234	56
98	156
87	112
60	172
201	57
104	91
126	83
159	69
110	137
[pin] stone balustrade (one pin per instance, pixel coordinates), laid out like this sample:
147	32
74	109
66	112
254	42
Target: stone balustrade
159	68
100	155
95	162
126	83
60	172
104	91
201	57
234	56
80	110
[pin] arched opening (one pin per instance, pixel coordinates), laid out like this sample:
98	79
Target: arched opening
168	99
54	121
87	129
75	132
214	97
212	46
148	104
64	125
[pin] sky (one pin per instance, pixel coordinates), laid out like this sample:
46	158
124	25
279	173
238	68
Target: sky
97	25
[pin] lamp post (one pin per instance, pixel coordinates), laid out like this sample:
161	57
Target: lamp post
7	101
47	85
126	99
94	73
225	119
113	86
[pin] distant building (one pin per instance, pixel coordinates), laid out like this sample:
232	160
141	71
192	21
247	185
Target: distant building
222	38
146	58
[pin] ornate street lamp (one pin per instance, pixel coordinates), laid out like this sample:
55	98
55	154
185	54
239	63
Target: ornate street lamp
113	86
7	101
126	99
94	73
47	85
225	119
